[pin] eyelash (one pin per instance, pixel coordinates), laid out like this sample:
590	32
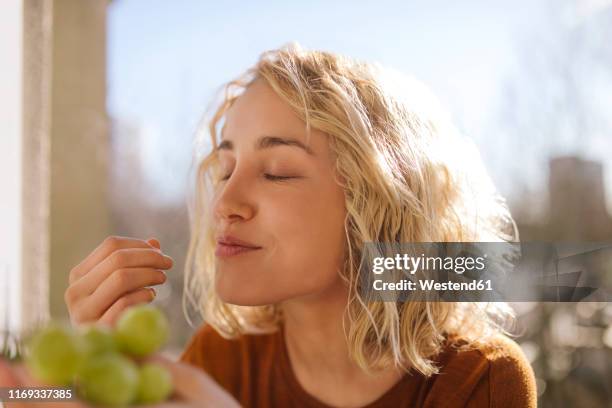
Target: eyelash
270	177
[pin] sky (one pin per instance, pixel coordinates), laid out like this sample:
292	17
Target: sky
166	59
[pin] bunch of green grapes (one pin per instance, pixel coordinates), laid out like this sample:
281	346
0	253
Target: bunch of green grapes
105	365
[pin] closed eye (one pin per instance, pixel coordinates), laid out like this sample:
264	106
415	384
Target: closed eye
270	177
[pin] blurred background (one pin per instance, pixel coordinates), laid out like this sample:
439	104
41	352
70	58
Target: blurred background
100	100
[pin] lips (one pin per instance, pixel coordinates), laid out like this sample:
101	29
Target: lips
228	245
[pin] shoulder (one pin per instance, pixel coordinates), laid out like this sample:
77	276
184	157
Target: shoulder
511	377
495	373
224	359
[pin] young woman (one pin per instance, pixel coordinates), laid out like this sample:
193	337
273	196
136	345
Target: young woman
313	155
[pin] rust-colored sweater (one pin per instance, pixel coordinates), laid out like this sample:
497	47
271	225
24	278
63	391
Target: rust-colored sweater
257	371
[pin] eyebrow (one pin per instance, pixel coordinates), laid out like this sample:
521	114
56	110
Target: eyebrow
266	142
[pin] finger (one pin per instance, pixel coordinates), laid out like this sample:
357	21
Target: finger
154	242
120	259
107	247
139	296
118	284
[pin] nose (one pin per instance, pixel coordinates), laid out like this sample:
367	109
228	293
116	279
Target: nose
232	202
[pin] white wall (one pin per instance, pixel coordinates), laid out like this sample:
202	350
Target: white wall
11	51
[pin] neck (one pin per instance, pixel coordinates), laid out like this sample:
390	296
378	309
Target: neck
314	333
319	353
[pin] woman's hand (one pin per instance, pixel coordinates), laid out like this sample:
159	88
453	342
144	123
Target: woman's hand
193	388
17	376
113	277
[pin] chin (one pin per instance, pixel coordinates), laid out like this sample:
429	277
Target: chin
263	286
241	294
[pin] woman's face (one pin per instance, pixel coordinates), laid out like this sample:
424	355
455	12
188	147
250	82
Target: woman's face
280	196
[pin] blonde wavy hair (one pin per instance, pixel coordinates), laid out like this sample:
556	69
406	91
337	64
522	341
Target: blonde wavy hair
408	176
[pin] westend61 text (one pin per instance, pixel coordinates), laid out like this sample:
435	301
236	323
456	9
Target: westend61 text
430	284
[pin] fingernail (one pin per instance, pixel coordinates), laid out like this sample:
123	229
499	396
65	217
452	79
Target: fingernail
155	242
163	277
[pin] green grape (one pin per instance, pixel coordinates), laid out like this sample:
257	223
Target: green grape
108	379
141	330
97	339
155	384
54	354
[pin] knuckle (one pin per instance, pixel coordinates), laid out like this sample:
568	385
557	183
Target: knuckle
119	258
121	277
69	295
112	242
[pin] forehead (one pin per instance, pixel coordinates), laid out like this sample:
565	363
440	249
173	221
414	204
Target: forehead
260	111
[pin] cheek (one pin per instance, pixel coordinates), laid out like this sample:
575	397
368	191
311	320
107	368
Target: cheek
305	233
309	232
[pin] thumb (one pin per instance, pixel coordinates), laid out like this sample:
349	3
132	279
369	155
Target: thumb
154	242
